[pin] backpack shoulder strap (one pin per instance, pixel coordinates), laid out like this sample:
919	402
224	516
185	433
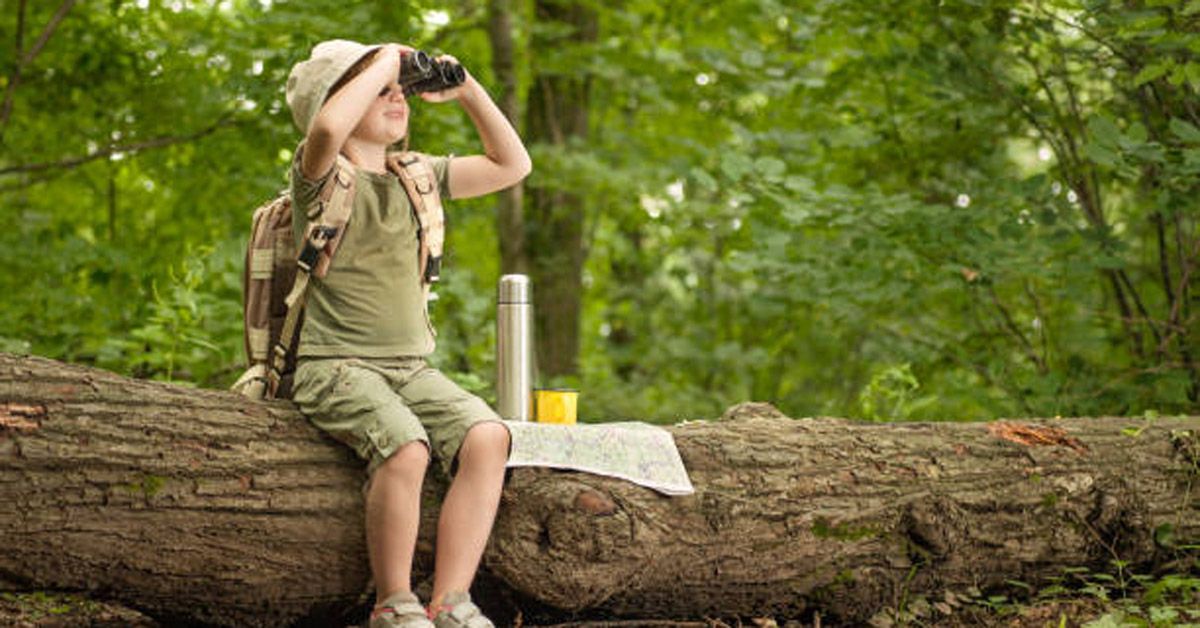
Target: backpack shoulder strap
327	224
415	172
332	210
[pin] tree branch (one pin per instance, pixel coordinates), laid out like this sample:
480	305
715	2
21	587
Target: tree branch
134	148
47	32
1011	326
15	77
1043	323
1135	336
1175	325
24	61
1089	201
1121	54
20	35
1137	301
29	182
1164	267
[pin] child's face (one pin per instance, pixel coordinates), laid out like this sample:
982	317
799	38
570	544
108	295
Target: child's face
386	121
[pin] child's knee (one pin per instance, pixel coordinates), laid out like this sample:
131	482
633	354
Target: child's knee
488	440
409	461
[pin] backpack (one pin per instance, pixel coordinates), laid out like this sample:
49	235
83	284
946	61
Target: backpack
276	277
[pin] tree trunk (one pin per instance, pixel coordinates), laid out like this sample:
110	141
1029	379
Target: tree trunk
557	109
510	220
195	505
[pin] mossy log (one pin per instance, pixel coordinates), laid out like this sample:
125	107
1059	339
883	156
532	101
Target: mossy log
199	506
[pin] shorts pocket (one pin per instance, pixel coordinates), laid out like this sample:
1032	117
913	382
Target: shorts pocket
314	381
377	440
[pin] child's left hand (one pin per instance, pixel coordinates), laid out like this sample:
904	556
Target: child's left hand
454	92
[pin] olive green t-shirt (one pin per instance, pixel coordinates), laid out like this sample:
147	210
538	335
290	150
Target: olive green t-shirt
371	304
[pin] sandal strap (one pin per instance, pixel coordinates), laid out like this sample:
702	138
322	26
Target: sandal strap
403	614
462	613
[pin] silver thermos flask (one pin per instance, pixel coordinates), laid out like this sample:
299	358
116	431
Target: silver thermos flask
514	347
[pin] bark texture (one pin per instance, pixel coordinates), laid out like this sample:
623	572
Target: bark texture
510	219
557	110
196	505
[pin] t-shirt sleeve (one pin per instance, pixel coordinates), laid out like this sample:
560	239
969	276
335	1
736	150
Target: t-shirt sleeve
305	192
441	172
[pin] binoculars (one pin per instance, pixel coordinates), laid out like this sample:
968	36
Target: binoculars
421	73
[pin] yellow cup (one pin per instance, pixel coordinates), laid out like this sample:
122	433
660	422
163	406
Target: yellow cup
555	405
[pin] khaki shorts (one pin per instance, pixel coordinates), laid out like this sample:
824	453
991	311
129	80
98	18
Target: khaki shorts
377	406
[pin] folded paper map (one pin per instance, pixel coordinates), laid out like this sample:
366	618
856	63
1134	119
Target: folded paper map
637	452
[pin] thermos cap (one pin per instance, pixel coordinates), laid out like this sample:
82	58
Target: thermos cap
515	289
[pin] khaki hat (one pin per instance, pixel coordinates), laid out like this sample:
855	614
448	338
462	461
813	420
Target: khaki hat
310	80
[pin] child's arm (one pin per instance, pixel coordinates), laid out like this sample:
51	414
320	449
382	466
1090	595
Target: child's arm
342	112
504	162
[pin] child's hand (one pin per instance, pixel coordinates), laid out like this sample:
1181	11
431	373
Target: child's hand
395	51
454	92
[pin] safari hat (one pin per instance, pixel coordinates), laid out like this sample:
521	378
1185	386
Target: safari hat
309	82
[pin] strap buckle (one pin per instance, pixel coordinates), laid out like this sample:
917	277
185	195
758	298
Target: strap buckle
318	237
433	269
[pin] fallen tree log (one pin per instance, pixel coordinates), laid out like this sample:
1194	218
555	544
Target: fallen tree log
199	506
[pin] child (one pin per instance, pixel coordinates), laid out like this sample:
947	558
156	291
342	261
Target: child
361	375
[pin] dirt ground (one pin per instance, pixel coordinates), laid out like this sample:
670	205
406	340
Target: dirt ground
48	610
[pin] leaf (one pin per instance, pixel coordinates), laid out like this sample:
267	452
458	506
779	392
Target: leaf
1101	155
1136	134
752	58
1185	130
1192	71
796	214
1178	76
798	183
1164	535
1102	129
735	165
1109	620
704	180
1152	72
770	168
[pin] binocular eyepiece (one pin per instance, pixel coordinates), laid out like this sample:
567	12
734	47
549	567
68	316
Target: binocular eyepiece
421	73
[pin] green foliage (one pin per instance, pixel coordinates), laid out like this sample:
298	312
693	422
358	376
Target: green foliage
1118	597
899	211
890	395
41	605
1141	601
193	330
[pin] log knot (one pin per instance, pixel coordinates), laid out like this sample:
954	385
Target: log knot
594	503
933	525
1119	519
1187	446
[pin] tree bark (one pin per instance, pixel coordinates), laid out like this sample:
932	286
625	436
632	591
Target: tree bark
510	220
200	506
557	108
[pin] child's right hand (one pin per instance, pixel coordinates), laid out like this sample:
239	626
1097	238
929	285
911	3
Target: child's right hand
392	52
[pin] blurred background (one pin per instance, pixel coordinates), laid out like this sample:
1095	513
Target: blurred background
903	210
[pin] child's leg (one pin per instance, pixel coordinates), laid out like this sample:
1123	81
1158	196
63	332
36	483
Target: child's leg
354	401
463	431
393	516
470	508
